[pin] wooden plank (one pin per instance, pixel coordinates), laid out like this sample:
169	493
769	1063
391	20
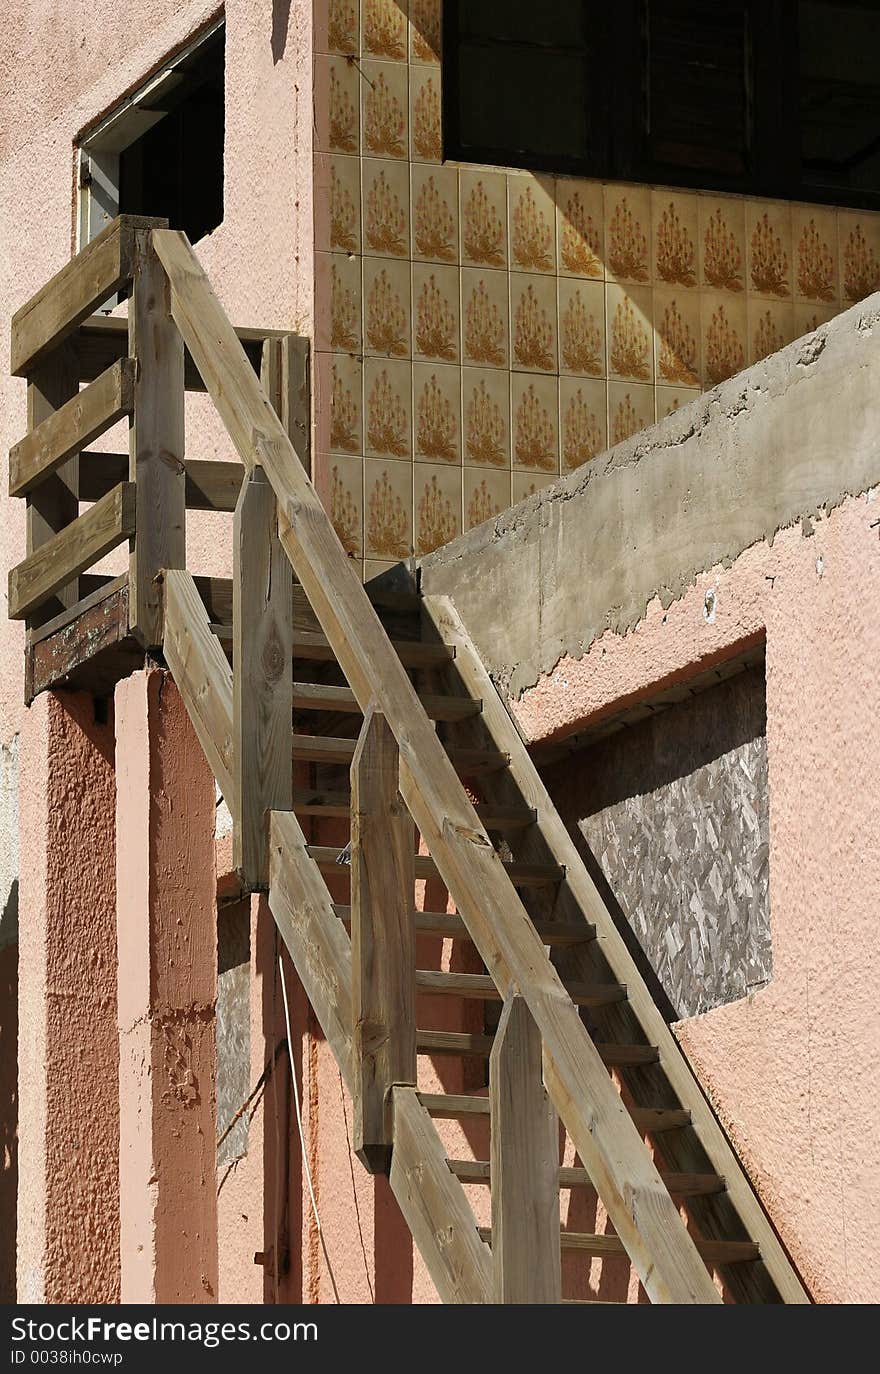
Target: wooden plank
451	1106
447	927
465	1042
523	875
63	433
383	947
611	1247
319	696
72	294
210	485
435	1207
328	749
680	1185
107	587
88	647
337	805
550	839
315	939
69	553
480	985
101	339
156	441
263	620
203	677
295	412
55	503
603	1134
526	1259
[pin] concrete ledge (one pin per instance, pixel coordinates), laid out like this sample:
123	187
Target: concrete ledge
791	436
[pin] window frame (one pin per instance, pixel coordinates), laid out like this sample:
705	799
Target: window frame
776	170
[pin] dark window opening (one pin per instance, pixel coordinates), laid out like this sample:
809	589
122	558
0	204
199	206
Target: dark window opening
175	169
767	97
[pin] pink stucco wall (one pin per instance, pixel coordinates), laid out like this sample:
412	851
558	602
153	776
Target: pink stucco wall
793	1070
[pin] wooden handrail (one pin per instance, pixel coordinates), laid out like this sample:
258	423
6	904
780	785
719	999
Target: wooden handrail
626	1179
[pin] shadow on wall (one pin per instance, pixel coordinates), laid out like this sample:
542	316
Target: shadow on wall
280	18
8	1100
671	817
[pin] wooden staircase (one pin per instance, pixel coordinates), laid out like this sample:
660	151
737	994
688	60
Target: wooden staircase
314	713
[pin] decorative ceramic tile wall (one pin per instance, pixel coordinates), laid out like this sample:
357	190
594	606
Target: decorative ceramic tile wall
480	331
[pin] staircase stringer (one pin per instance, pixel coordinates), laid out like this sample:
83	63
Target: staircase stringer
580	899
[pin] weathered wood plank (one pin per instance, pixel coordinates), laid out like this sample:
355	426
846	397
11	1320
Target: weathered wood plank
480	985
603	1134
448	927
63	433
523	875
101	339
551	839
46	320
315	938
319	696
156	441
526	1259
680	1185
329	749
609	1247
383	947
435	1207
262	698
451	1106
466	1042
210	484
88	647
71	551
337	805
55	502
203	677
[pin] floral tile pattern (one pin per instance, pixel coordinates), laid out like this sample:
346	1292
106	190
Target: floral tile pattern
480	331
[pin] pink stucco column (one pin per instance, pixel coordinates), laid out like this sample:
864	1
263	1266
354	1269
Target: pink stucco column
166	928
68	1206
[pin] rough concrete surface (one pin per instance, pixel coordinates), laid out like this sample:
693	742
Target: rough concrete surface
789	437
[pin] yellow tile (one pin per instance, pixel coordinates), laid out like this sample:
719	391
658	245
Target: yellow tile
768	227
630	332
337	203
673	398
484	316
483	200
627	234
338	404
437	412
388	509
486	416
771	327
386	207
535	421
630	410
384	29
675	234
388	408
533	307
385	108
532	220
724	331
437	506
582	419
336	26
807	317
677	336
722	222
425	27
816	255
425	115
387	288
526	484
859	234
338	302
343	500
580	228
434	213
582	327
436	330
486	495
336	105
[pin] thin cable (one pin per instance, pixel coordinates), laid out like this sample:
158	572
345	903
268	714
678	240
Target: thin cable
302	1137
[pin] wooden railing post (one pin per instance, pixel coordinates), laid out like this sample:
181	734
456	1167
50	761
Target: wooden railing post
262	619
156	440
55	503
526	1259
382	939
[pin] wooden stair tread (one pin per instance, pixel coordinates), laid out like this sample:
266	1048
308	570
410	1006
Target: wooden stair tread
465	1042
452	927
713	1251
319	696
679	1184
314	647
531	875
481	986
337	806
452	1106
328	749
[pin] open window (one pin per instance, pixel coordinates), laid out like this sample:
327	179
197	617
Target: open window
160	152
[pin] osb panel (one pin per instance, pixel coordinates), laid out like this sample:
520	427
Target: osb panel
598	308
672	816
